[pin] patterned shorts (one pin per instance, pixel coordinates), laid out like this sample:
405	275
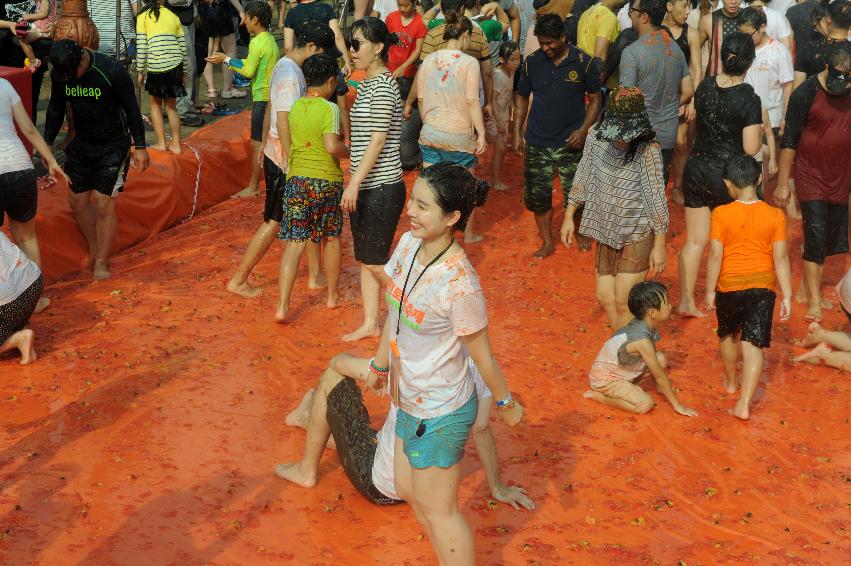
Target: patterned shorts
538	171
311	209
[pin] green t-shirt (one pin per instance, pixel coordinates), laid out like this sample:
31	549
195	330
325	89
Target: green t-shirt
310	119
263	54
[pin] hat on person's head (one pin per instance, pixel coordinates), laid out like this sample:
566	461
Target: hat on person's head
625	116
844	292
321	36
65	55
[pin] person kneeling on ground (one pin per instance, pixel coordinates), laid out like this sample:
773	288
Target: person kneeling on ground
630	354
334	414
748	246
21	284
827	340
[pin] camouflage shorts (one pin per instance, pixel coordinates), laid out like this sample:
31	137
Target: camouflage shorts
538	167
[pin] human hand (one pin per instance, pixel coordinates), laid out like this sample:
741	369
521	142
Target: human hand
347	68
567	230
513	495
481	144
513	415
349	202
398	72
785	308
685	411
577	138
709	299
54	170
658	261
519	143
782	192
489	9
487	111
141	159
691	113
772	167
216	58
406	111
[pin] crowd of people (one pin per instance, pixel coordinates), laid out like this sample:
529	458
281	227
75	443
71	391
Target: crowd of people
619	101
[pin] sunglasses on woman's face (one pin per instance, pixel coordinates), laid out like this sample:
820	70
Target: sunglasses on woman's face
355	43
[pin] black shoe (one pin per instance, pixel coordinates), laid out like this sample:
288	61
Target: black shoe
192	121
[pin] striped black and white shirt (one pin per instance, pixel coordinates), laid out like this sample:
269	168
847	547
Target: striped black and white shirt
102	13
378	108
624	200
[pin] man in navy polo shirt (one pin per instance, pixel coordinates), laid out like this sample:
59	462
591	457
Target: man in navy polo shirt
560	75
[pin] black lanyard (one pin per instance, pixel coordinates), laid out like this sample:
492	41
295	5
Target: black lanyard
417	280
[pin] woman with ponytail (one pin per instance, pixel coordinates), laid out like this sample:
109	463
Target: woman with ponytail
437	324
375	195
728	124
451	109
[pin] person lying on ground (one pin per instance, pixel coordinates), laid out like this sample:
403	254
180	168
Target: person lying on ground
21	284
626	359
333	414
833	348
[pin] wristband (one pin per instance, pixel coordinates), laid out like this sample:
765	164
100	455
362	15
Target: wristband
377	370
227	61
506	403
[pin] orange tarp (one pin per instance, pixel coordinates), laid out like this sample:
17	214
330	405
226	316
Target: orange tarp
148	430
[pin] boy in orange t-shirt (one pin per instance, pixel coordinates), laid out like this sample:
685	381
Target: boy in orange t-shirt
747	248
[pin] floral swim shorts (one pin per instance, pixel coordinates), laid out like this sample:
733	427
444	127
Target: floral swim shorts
311	209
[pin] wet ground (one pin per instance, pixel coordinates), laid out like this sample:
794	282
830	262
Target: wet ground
148	431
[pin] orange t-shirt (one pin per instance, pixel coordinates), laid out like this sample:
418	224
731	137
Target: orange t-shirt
748	232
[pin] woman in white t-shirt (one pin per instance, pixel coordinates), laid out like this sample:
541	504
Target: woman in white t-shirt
20	288
437	323
18	190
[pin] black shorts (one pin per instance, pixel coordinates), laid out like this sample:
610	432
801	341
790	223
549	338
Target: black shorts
825	229
703	182
748	311
15	315
18	195
101	168
258	112
374	222
275	180
356	440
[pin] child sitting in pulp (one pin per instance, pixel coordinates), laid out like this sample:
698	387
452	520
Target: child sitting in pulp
746	237
627	357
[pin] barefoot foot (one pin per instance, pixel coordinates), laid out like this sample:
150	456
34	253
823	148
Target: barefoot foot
292	473
814	313
320	282
298	416
159	146
814	332
365	331
815	355
731	386
247	192
281	314
801	295
690	311
243	289
333	300
42	305
100	271
544	251
741	411
174	147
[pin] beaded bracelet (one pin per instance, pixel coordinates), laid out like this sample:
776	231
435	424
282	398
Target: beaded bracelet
377	370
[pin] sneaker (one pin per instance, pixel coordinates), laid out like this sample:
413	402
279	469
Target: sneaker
192	121
240	81
234	93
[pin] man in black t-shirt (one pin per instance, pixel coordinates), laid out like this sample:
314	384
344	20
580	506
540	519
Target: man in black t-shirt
831	23
103	108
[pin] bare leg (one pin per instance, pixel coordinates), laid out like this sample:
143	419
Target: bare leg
678	165
303	472
300	416
370	288
228	44
752	358
813	276
435	496
315	277
157	123
823	353
286	280
332	257
23	342
86	217
257	248
362	8
697	235
606	296
544	221
404	487
251	190
729	349
174	123
23	234
617	403
496	164
623	284
106	228
470	237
